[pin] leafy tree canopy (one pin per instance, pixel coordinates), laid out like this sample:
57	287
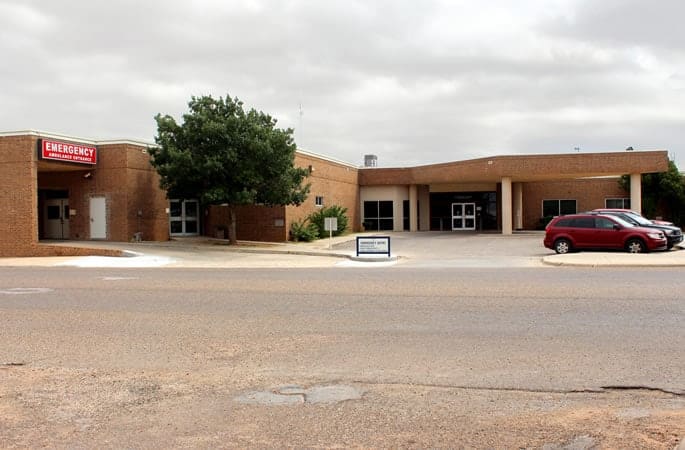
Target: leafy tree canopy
662	193
223	154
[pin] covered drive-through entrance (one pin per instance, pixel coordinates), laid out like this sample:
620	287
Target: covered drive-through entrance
503	193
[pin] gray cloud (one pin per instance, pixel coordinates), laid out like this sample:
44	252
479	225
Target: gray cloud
617	23
414	82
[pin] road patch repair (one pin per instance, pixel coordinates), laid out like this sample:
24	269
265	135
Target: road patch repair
297	395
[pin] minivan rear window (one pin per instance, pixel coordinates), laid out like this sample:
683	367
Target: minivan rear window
564	222
584	222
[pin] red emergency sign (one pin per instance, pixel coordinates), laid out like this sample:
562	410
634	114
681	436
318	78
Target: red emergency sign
68	152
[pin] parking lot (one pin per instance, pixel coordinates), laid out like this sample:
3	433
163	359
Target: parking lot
422	249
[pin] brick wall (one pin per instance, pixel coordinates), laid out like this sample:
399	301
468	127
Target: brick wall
336	182
19	224
588	193
140	202
123	175
253	223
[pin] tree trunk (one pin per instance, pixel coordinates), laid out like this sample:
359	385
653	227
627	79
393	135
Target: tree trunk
232	235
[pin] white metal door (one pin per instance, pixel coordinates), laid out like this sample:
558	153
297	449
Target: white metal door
98	218
56	218
463	216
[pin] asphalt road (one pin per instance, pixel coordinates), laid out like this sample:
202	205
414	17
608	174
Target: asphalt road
388	357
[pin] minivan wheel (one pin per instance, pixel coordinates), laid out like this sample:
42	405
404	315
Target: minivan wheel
635	246
562	246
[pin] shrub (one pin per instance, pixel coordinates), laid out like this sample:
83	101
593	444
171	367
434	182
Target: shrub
304	231
542	223
318	218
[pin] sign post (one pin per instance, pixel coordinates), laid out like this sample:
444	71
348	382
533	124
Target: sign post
330	224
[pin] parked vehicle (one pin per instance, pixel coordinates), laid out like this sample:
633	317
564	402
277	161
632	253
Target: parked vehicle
658	222
674	235
565	234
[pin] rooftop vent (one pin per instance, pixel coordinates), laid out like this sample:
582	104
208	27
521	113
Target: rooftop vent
370	161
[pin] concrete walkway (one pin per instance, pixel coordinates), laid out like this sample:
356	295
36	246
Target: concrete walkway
424	249
672	258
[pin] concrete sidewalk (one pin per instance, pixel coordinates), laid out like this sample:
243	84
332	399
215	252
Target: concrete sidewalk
202	252
672	258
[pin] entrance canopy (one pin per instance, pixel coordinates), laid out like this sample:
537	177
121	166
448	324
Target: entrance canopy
503	176
521	168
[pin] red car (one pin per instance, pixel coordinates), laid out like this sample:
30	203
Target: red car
596	231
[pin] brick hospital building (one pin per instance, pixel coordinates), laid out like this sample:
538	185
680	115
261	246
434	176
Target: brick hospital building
66	188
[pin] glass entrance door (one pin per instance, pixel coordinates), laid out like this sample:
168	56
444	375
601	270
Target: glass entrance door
183	217
463	216
56	218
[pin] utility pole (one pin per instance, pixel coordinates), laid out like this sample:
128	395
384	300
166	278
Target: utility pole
300	134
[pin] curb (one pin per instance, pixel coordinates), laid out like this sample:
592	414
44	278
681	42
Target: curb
546	261
374	259
290	252
316	253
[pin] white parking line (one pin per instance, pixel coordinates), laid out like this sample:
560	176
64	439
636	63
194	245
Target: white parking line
118	278
124	262
25	291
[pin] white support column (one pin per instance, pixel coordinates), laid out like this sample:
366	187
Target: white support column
413	211
518	206
636	192
506	205
424	208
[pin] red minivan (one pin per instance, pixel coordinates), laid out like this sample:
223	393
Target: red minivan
596	231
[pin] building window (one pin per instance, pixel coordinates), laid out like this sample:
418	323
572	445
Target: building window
318	201
378	215
558	207
621	203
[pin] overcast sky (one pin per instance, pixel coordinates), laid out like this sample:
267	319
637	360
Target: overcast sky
414	82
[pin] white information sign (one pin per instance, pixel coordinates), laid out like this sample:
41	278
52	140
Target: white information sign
373	245
330	224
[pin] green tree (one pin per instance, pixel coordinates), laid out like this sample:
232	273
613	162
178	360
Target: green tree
224	154
662	192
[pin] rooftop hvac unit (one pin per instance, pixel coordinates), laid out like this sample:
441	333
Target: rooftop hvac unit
370	161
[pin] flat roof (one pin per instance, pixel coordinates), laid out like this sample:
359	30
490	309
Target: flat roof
538	167
531	167
66	137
